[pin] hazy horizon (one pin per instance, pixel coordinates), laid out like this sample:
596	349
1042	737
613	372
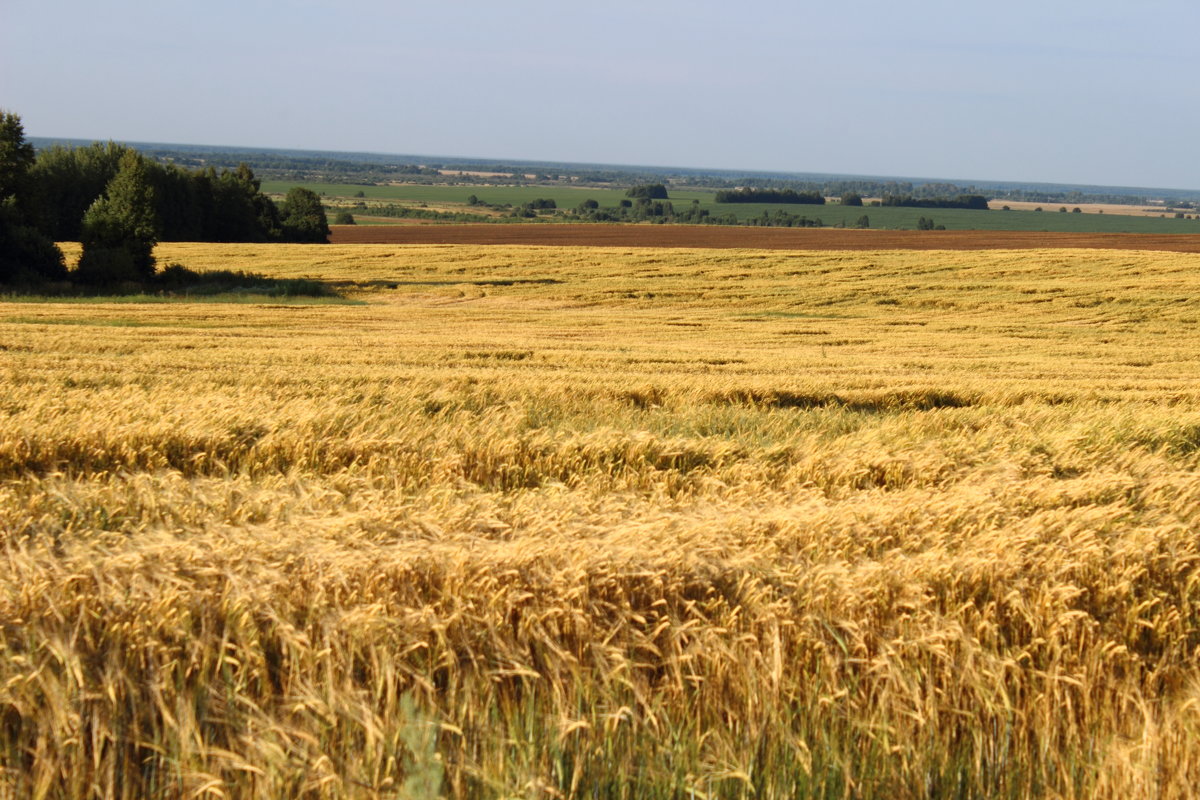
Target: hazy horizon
1021	93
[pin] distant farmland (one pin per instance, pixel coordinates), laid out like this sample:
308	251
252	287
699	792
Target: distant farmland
831	215
737	237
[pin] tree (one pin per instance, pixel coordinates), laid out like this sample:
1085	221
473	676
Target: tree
303	217
852	199
26	255
343	218
121	228
16	156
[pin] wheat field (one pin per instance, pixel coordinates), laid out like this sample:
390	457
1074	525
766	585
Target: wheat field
603	523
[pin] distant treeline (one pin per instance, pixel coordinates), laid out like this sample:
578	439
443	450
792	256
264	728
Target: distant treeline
664	211
976	202
272	162
200	205
1071	198
750	195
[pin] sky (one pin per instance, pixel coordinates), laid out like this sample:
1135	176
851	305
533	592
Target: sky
1097	92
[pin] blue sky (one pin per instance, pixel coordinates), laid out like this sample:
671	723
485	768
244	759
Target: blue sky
1099	92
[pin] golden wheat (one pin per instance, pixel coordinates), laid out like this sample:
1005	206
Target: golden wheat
605	523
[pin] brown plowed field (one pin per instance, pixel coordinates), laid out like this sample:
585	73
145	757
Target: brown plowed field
716	236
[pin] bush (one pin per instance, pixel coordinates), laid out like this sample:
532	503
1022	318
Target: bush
343	218
26	256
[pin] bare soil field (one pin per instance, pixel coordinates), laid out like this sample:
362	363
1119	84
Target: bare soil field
729	237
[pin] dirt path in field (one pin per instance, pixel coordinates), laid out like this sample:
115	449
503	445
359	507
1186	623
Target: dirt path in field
716	236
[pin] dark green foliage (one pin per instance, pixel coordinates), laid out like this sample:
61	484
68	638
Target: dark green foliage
26	255
16	156
65	183
178	203
121	228
648	191
975	202
177	279
863	222
238	213
748	195
343	218
191	206
852	199
303	217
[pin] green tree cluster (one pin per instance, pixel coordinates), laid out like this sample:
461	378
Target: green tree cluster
976	202
647	191
191	205
751	195
119	204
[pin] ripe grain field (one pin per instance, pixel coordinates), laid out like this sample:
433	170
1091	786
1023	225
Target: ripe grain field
609	522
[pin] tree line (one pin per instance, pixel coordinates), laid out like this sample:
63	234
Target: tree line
748	194
119	204
200	205
976	202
